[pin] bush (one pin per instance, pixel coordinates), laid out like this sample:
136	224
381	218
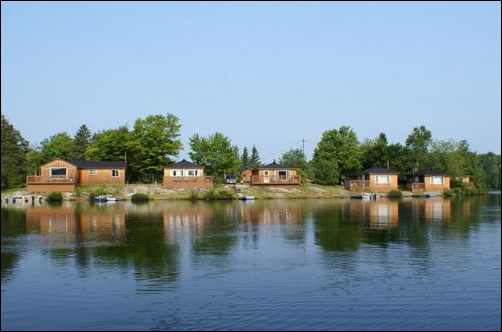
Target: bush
98	192
55	197
219	194
194	195
395	193
140	198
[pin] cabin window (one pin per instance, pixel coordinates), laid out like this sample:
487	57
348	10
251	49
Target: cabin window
92	172
283	175
174	172
57	171
191	172
382	179
437	180
115	172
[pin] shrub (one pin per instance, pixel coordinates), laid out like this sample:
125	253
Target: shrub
97	192
55	197
140	198
395	193
194	195
219	194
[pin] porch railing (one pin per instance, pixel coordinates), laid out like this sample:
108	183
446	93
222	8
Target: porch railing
34	179
417	186
259	179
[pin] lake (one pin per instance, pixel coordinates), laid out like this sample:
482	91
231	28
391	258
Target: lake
421	264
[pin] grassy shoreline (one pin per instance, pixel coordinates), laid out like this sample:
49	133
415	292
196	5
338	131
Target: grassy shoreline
228	192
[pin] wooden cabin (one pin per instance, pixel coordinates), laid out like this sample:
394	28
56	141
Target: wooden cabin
271	174
466	180
374	179
185	174
430	181
64	175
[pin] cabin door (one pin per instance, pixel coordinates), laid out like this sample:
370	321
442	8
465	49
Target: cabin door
266	179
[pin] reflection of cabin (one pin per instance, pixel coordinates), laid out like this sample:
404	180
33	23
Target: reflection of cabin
384	213
374	179
437	209
185	174
271	174
430	181
63	176
66	223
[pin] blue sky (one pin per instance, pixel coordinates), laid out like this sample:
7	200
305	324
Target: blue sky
267	74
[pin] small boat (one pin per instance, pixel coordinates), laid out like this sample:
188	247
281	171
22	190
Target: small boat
105	198
247	198
365	196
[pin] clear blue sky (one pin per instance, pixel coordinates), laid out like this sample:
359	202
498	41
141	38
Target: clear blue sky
264	74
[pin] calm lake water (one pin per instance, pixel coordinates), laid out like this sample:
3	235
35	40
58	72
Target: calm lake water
275	264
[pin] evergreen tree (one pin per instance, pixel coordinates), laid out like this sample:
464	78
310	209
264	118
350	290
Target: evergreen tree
81	141
245	158
255	158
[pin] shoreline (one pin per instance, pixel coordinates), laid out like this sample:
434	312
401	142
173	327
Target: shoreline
155	192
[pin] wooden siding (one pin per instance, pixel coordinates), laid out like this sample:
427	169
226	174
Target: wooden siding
47	187
102	176
182	182
371	184
271	177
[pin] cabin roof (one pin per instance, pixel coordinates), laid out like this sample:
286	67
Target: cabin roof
272	165
94	164
431	172
380	170
184	164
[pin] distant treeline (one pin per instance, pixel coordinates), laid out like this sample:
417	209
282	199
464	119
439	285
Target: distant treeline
154	142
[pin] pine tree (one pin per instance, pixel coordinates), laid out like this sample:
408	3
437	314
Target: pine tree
255	158
81	140
245	158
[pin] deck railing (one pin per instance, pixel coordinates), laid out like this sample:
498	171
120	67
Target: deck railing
34	179
357	185
417	186
259	179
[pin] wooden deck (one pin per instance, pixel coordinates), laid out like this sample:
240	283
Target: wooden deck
274	180
37	179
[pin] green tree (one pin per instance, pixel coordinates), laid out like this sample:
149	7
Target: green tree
375	152
81	141
294	158
154	143
59	146
216	154
109	144
13	164
490	165
33	160
254	161
245	158
337	155
418	143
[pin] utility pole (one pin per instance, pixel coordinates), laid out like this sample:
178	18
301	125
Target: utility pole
303	146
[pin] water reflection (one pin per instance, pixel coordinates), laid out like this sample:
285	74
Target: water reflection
152	238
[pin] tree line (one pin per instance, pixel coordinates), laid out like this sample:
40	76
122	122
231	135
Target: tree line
154	141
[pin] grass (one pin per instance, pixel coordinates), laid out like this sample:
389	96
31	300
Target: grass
140	198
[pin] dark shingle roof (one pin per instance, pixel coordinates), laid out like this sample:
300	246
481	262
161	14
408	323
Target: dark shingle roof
431	172
274	165
379	170
183	164
93	164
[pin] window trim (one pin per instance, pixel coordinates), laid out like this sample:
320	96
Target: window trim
93	172
115	170
437	177
65	168
381	176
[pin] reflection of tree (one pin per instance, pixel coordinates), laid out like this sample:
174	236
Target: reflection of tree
218	235
336	229
12	226
145	248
